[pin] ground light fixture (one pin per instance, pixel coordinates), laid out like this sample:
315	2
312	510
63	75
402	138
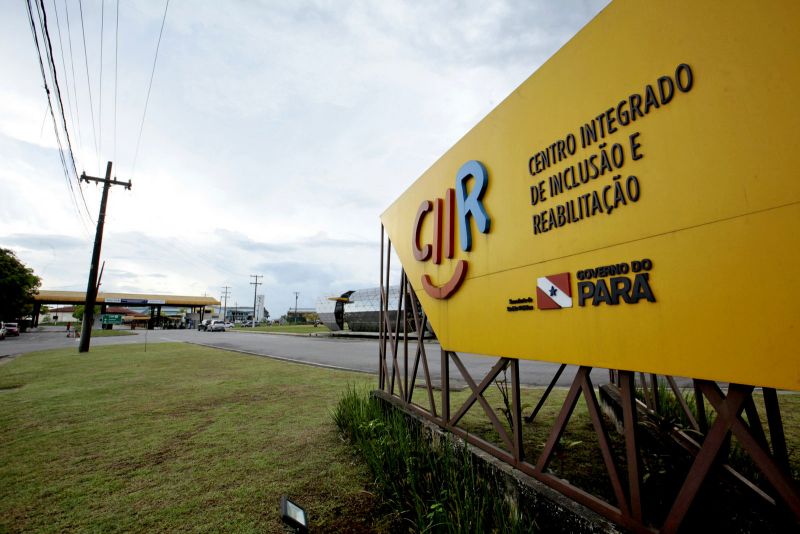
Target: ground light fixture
293	515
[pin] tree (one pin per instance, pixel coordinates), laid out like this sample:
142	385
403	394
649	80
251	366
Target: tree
18	285
80	309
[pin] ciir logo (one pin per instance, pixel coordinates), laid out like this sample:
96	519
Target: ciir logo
458	203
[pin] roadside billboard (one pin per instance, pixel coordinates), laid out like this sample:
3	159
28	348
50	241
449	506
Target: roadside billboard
634	204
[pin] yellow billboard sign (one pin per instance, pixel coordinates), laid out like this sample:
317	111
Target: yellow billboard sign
635	204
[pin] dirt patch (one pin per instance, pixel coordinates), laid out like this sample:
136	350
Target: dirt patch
173	448
359	513
204	405
7	358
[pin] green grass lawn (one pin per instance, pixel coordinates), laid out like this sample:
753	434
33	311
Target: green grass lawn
112	333
98	332
176	438
286	328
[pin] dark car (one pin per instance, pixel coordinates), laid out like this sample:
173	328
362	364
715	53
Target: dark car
12	329
203	325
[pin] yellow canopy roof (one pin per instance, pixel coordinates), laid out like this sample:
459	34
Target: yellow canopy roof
131	299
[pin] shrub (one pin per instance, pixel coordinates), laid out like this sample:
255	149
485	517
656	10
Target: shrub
433	484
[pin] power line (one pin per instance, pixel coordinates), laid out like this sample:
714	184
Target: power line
64	65
44	120
52	114
149	87
50	103
74	83
116	71
100	90
54	74
89	83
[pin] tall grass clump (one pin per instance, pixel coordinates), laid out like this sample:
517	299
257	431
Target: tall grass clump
670	411
432	484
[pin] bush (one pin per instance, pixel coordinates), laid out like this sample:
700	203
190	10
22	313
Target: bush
432	484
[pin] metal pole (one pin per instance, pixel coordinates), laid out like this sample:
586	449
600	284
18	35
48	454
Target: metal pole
255	290
381	327
225	294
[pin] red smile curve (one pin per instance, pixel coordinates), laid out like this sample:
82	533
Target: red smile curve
450	287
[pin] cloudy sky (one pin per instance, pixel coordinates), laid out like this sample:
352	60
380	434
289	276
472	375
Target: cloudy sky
275	133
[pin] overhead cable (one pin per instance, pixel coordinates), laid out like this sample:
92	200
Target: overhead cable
52	115
54	75
149	87
89	83
116	71
100	90
70	107
74	83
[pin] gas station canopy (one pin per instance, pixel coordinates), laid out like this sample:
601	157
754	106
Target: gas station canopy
131	299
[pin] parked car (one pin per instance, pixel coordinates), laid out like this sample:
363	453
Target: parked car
228	325
203	325
12	329
216	326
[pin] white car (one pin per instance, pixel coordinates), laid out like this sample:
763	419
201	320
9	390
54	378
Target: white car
228	325
12	329
216	326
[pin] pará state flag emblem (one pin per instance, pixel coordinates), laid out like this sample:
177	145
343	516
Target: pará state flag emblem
554	292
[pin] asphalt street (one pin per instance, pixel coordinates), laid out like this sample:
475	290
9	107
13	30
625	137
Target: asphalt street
353	354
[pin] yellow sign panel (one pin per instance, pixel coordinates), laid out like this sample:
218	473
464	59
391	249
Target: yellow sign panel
635	204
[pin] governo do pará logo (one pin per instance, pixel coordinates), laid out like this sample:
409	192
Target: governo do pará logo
457	204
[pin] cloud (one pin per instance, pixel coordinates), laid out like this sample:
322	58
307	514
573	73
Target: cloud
275	135
60	243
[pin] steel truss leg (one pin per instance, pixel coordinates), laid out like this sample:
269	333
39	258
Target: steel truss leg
629	415
532	416
729	409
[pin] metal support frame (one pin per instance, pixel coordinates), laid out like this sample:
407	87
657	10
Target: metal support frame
627	510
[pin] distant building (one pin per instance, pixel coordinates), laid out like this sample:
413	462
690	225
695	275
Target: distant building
62	314
301	315
244	313
359	311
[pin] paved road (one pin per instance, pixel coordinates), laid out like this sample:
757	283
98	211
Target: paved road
352	354
53	338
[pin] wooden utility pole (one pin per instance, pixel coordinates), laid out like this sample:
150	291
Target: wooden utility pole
91	286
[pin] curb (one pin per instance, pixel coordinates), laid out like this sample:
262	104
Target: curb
283	359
